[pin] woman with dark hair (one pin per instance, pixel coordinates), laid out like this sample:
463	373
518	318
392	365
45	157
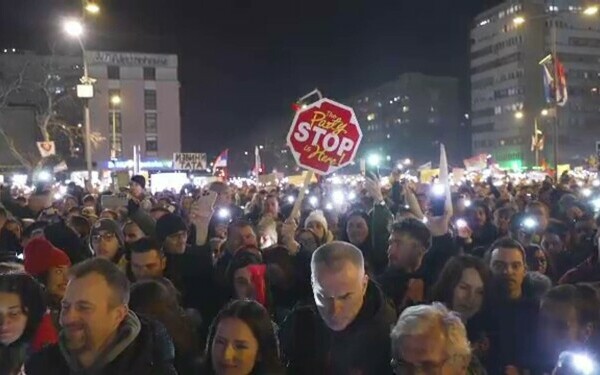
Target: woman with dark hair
483	232
462	285
158	299
242	341
21	310
369	232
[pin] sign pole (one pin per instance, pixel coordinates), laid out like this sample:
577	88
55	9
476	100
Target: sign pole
298	203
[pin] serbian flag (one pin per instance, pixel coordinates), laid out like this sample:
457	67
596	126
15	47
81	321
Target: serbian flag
555	81
221	161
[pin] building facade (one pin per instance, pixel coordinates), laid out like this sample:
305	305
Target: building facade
147	113
507	91
410	116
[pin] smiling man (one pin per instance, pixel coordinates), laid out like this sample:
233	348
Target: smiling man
347	332
99	334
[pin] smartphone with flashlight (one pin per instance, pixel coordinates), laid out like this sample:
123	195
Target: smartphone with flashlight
372	172
438	200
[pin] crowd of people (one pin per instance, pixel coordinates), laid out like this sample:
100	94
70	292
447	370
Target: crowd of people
498	278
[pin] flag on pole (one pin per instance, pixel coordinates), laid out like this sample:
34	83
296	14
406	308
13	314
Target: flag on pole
555	81
257	163
221	161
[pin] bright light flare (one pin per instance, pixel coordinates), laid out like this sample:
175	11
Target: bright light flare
519	20
314	201
338	197
73	28
591	10
586	192
374	160
224	213
92	8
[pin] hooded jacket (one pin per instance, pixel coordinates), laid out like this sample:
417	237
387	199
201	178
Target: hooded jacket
309	347
141	346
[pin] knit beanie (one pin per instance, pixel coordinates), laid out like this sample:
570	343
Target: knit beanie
316	215
167	225
109	226
40	256
140	180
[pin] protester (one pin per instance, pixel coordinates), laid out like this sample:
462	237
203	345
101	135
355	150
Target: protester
409	240
137	188
242	341
157	298
348	330
431	339
147	259
8	240
317	223
22	309
107	242
569	319
99	332
49	266
512	313
480	222
132	232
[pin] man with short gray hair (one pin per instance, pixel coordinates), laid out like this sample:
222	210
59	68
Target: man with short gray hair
347	330
431	339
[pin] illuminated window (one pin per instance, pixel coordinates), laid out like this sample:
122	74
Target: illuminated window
370	117
405	108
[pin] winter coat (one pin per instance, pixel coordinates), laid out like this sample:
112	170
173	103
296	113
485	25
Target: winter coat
142	346
395	285
308	346
442	249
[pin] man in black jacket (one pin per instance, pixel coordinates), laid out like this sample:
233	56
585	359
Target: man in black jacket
348	331
99	334
409	240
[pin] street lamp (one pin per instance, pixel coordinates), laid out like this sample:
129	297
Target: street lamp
545	112
92	7
591	10
519	20
85	91
519	115
116	101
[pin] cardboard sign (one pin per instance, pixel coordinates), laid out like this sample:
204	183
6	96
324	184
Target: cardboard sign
46	148
189	161
324	136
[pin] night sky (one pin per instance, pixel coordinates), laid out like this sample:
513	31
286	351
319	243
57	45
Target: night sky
243	62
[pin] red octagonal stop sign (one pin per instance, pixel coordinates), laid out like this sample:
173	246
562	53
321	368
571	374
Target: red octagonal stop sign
324	136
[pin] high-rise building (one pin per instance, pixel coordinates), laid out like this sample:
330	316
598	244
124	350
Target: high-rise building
410	116
508	42
147	112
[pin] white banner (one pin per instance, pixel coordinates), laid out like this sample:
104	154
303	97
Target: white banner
189	161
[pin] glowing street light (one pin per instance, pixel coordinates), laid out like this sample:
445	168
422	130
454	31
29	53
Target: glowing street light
92	8
592	10
519	115
545	112
73	28
519	20
115	100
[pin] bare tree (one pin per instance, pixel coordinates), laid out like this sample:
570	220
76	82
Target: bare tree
48	84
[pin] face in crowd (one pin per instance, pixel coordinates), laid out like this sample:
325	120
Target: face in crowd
234	350
553	244
404	252
317	228
148	265
13	318
509	269
56	281
241	237
136	189
357	230
468	294
90	315
132	233
176	243
271	206
105	244
339	292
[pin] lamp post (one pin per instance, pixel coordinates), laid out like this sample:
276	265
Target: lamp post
85	91
116	101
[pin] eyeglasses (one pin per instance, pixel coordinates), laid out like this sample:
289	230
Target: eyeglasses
105	237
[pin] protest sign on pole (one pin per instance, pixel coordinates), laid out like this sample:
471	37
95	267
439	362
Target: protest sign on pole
323	138
189	161
46	148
